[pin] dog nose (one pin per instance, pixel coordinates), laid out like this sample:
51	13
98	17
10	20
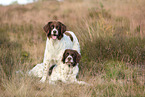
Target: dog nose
54	32
69	58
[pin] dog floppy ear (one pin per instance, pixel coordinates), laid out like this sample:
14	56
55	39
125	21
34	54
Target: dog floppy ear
78	57
47	27
64	56
62	30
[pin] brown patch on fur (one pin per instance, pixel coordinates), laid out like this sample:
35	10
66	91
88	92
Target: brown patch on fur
51	69
70	36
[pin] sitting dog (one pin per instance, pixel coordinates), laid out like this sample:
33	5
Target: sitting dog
67	70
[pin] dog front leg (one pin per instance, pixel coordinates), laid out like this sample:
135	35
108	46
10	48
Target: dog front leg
45	72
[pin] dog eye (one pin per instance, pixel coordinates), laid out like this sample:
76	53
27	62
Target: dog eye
67	53
56	27
52	27
72	55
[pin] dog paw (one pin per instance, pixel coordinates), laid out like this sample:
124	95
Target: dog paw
84	83
42	80
52	82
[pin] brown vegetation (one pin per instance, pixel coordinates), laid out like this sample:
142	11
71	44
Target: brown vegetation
112	38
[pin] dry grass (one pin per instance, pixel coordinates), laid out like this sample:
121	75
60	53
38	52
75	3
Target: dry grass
112	38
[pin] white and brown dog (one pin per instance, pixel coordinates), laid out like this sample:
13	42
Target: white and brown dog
58	40
68	70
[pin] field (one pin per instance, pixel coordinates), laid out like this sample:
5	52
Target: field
112	38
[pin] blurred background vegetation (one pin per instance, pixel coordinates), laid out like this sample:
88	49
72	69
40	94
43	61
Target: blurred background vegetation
112	38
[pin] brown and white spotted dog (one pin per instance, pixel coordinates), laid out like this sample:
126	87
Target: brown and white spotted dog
58	40
67	70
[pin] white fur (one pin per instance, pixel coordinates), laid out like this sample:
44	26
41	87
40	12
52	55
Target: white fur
36	71
53	54
67	59
54	29
65	74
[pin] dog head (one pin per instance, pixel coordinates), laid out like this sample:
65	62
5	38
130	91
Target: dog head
54	30
71	57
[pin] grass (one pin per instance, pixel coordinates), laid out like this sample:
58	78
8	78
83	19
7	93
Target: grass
112	47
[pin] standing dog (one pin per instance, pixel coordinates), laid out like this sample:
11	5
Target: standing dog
67	70
58	40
